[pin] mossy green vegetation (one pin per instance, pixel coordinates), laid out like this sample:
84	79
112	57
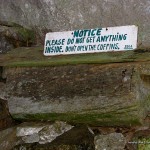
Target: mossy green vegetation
17	35
93	119
33	57
144	144
26	35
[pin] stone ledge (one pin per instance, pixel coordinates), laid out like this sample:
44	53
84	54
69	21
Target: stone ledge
33	57
112	94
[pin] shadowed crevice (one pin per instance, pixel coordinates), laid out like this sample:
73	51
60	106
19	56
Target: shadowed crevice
1	75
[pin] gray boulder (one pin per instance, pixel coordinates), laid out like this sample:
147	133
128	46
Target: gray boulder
113	141
58	15
42	133
112	94
13	35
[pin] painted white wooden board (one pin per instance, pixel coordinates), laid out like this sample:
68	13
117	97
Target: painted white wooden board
91	40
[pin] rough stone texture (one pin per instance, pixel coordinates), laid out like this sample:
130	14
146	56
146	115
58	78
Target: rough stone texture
5	118
31	138
68	137
58	15
8	139
42	133
26	129
113	94
113	141
49	133
14	36
78	138
5	46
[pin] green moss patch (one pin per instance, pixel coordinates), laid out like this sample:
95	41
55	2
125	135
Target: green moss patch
144	144
33	57
26	35
92	119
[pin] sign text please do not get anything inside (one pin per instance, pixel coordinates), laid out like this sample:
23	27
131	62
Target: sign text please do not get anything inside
91	40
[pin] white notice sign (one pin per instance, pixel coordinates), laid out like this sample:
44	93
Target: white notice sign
91	40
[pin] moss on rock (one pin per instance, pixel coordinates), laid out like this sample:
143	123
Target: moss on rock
33	56
93	119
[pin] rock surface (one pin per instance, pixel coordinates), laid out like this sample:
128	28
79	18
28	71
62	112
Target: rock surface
57	15
113	94
8	139
5	46
27	136
5	118
42	133
113	141
13	35
78	138
58	136
85	93
49	133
